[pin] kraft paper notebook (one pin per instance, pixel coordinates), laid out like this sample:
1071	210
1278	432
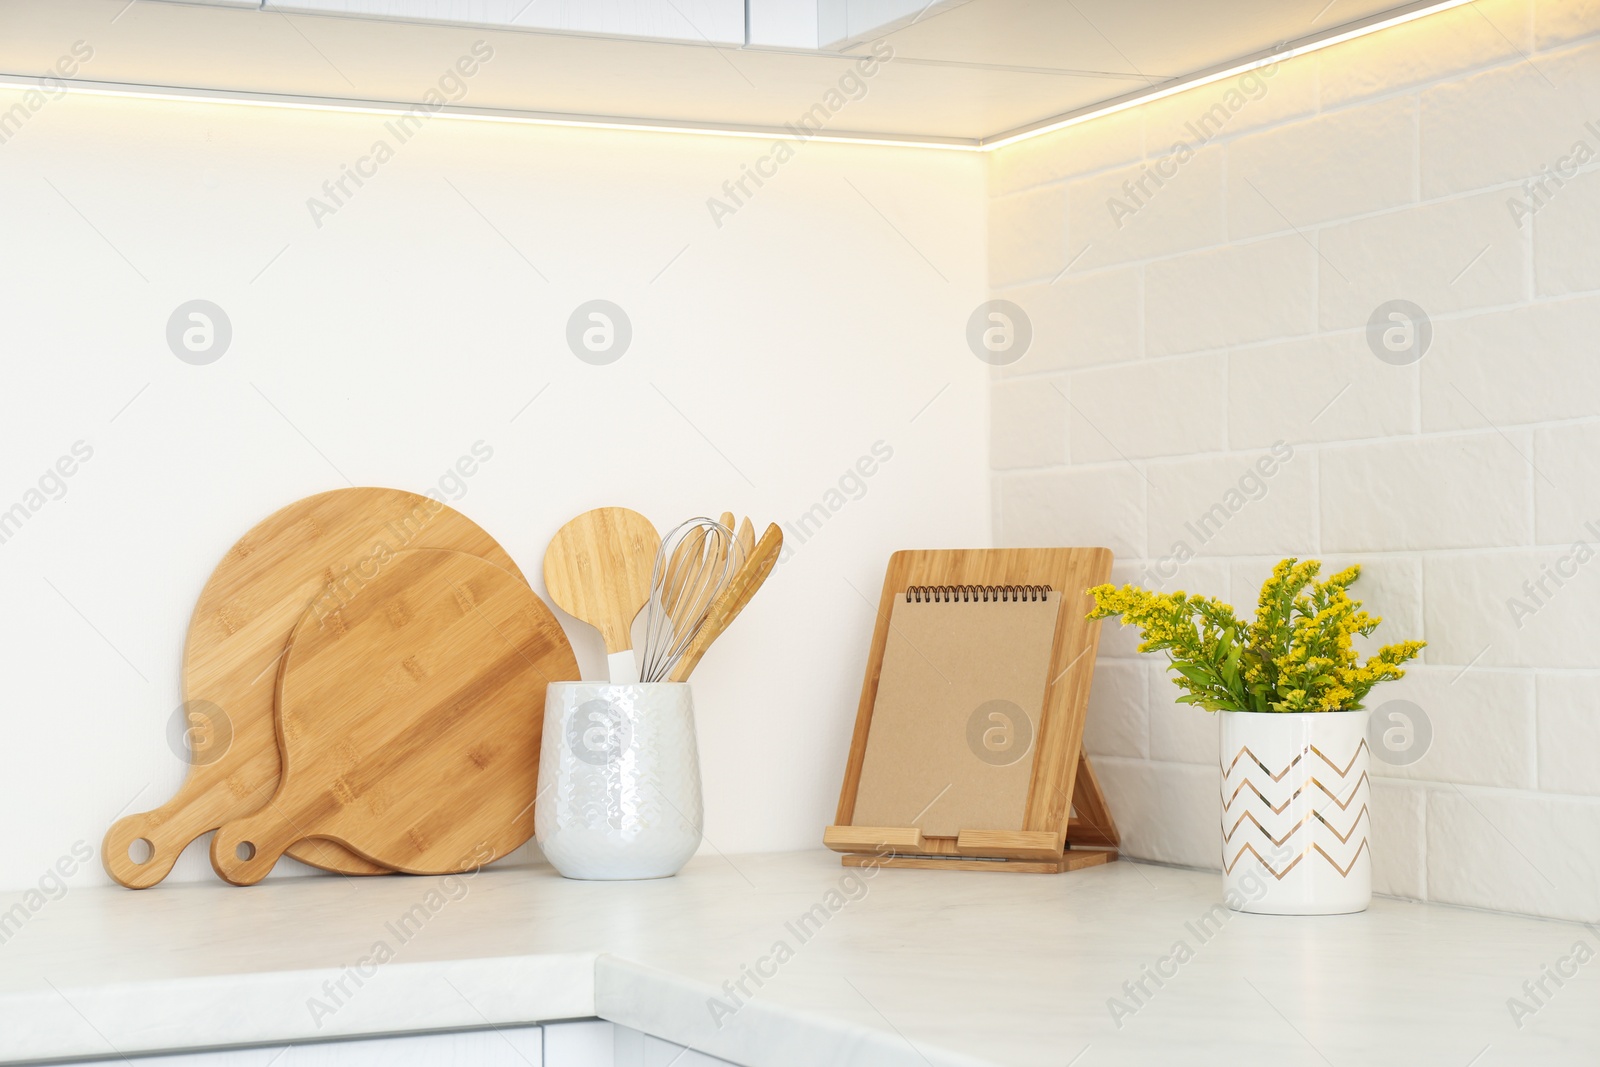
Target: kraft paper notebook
958	709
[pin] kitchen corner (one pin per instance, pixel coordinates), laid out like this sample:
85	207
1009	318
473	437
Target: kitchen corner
1153	620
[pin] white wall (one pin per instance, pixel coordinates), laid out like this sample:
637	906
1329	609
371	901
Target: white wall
769	354
1229	311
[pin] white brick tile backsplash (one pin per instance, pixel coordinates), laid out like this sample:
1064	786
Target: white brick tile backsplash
1118	724
1209	577
1482	723
1327	388
1494	849
1167	812
1229	296
1136	212
1116	640
1399	820
1080	320
1227	108
1138	410
1558	21
1027	236
1441	44
1108	142
1507	609
1507	123
1461	491
1569	733
1329	167
1215	506
1092	506
1215	307
1454	255
1566	232
1179	733
1566	489
1025	425
1528	364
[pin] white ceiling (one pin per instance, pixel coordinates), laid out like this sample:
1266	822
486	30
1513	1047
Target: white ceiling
963	71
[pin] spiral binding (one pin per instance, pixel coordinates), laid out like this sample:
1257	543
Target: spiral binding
976	594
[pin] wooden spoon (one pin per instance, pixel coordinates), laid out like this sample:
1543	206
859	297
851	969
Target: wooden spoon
733	600
597	569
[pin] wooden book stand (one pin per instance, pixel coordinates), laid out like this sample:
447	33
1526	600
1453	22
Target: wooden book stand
1066	823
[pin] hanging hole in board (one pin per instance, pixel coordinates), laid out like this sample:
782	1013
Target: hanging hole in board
140	850
245	851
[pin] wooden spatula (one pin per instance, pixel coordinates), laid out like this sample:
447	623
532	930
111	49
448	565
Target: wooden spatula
733	600
746	539
597	569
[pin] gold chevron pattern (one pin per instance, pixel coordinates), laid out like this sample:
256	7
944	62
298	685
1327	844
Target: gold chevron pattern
1342	771
1298	811
1279	809
1344	838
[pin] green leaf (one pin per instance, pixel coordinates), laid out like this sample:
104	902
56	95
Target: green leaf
1195	673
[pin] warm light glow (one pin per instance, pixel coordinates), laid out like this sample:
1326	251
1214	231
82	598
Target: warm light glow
1231	72
525	118
247	99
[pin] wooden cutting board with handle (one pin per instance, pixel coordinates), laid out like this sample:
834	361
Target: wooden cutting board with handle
315	553
409	722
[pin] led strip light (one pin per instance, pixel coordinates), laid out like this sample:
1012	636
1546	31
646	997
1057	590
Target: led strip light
536	118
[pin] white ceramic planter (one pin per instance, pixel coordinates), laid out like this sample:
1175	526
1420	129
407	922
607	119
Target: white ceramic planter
619	780
1294	812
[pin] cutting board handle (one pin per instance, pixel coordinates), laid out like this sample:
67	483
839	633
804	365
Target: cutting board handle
245	850
159	836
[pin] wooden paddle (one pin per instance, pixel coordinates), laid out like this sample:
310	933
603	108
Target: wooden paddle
316	553
409	722
597	569
727	607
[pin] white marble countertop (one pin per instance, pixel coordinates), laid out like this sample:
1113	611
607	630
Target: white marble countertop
915	968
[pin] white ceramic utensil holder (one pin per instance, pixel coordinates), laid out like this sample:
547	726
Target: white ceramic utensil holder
1294	812
619	780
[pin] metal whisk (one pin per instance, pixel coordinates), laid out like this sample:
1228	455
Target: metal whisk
696	562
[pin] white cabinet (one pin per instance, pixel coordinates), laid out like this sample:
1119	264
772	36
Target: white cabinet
521	1046
720	21
585	1043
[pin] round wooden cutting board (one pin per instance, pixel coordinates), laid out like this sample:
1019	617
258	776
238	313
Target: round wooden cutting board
313	556
410	721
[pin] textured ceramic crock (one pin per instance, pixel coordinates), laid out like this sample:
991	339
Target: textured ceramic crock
1294	812
619	780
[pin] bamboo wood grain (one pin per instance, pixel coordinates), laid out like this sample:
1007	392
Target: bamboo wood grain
314	553
746	539
409	722
1059	740
1082	833
1012	844
1069	861
874	839
1092	823
739	593
597	569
